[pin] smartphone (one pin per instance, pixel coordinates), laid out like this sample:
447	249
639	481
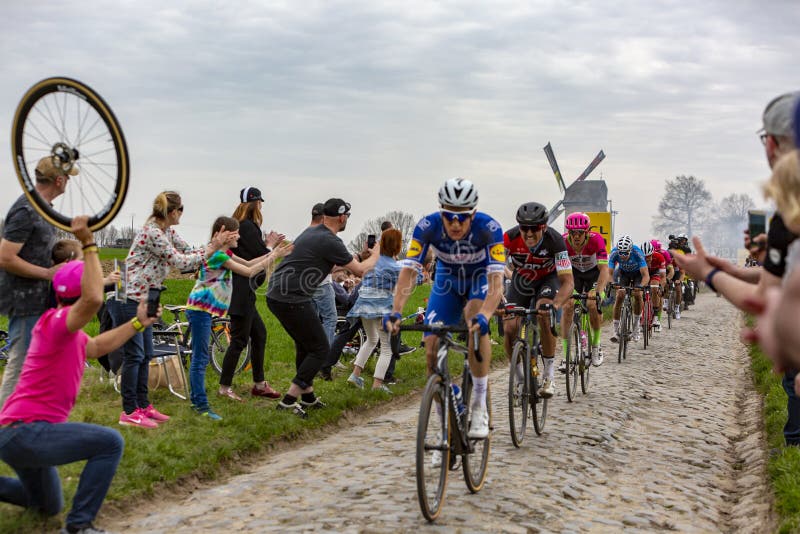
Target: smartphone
153	299
757	223
371	240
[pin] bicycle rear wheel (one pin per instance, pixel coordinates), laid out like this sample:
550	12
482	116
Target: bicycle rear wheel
432	436
670	306
518	391
646	323
573	357
538	404
586	362
475	463
218	345
622	334
65	120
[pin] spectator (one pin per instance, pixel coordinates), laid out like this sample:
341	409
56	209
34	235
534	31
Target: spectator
345	334
732	281
291	287
324	298
374	300
247	326
211	297
156	249
26	266
35	436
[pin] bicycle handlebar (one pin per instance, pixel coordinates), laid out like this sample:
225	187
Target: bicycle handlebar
441	329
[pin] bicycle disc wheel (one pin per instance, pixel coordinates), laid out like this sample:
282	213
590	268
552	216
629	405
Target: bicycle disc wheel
573	357
518	388
538	404
66	120
432	436
220	340
475	463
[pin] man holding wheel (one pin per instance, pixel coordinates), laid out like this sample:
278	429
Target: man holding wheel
26	266
469	280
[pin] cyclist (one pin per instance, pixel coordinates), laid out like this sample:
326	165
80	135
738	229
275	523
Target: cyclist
632	271
676	247
657	268
683	245
468	280
670	263
589	258
541	272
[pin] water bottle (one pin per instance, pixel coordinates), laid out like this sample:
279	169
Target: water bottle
459	400
584	341
420	315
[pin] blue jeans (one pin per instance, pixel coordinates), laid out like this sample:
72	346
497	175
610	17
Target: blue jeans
34	449
324	300
791	431
19	339
200	323
137	352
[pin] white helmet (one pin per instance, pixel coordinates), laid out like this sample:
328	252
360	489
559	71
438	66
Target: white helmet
459	193
647	248
624	244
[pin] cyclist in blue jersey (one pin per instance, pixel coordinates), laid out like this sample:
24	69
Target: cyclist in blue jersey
632	271
468	282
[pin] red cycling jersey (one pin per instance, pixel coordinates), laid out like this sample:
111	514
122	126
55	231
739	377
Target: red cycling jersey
656	264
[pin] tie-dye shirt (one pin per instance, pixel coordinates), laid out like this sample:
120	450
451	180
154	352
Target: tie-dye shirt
214	285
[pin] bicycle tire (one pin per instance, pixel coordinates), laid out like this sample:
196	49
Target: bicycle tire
538	404
628	328
585	365
646	326
670	306
431	502
621	335
102	184
475	464
573	357
518	400
218	346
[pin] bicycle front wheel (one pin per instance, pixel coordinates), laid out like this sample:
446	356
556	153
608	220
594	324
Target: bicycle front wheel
518	391
573	357
219	343
476	462
433	437
622	336
538	404
67	121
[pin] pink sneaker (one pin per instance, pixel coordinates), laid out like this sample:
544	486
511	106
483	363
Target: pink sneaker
137	418
154	414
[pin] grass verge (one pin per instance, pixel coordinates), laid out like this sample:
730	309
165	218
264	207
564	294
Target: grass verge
784	462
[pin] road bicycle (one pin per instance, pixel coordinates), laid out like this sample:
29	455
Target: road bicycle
523	387
670	300
444	418
689	292
646	320
578	358
625	322
69	122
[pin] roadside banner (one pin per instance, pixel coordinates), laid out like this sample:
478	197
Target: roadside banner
601	223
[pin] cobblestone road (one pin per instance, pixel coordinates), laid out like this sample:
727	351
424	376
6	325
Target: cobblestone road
668	440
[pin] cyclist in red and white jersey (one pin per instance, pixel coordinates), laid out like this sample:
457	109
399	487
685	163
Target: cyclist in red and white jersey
657	267
541	274
589	257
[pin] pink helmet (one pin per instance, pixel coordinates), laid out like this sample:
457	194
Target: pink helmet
656	244
577	221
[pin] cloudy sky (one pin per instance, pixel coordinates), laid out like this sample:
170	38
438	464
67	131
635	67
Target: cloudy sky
379	102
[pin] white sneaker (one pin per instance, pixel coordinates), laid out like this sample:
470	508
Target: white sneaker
637	334
436	459
479	426
562	367
656	325
678	312
597	356
615	336
547	389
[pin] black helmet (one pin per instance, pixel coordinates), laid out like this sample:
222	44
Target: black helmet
532	213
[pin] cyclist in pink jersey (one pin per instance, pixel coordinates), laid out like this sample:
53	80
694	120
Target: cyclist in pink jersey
589	257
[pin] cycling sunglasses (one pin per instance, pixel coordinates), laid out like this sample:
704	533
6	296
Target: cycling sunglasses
577	232
534	228
460	216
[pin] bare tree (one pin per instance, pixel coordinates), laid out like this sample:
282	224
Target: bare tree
683	206
403	221
723	232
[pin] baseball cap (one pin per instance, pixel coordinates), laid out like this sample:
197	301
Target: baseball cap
778	115
335	207
67	280
250	194
318	209
49	168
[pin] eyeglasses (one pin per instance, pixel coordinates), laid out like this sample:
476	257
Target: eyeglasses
460	216
180	209
577	232
626	254
532	228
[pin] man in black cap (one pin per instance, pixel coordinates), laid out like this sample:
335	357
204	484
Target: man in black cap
291	288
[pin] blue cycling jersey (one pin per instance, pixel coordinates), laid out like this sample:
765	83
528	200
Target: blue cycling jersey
482	248
632	263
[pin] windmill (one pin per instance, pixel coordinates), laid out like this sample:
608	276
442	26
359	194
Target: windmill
588	204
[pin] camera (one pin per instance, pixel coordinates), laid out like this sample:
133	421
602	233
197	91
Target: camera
371	238
153	299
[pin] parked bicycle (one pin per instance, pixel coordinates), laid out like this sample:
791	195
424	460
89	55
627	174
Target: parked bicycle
523	387
444	417
579	358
